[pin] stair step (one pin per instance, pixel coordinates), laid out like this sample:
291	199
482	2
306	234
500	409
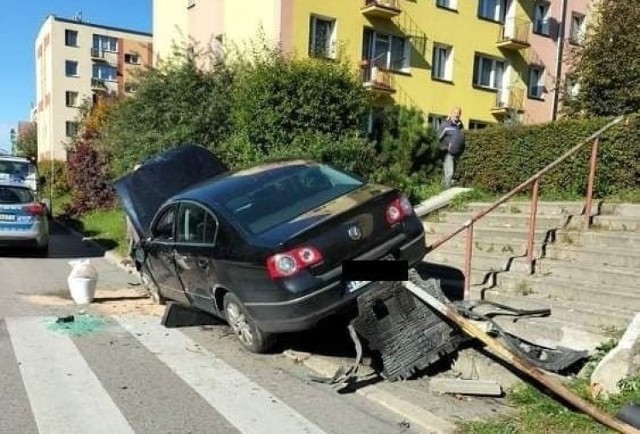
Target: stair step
480	260
544	208
596	238
616	223
628	209
484	233
503	220
596	318
603	274
595	256
626	297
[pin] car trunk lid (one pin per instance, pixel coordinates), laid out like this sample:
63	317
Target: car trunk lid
15	208
343	228
143	191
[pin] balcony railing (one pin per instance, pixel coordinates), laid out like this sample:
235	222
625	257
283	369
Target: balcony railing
381	8
98	84
377	78
514	34
507	100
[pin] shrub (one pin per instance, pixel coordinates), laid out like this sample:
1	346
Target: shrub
60	179
499	158
350	153
88	172
408	155
277	98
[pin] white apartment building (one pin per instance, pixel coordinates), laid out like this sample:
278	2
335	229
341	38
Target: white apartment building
76	61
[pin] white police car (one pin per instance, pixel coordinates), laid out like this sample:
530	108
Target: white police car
23	218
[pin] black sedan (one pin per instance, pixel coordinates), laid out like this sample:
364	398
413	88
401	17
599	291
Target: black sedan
261	248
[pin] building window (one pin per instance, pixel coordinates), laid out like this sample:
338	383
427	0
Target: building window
386	51
447	4
71	68
71	98
493	10
322	37
105	72
577	28
536	82
442	68
541	18
71	128
488	72
477	125
435	121
133	59
71	38
105	43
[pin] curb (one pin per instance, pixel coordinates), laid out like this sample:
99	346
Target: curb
109	255
416	416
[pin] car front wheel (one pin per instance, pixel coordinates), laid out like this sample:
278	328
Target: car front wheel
245	329
150	285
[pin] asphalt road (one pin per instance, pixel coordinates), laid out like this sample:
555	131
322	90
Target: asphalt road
130	374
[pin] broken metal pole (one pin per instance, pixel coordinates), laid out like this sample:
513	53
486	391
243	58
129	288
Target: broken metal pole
519	363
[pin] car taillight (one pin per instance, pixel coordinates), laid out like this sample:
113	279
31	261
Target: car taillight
291	262
398	210
35	209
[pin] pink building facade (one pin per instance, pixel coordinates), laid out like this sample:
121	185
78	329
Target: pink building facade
558	28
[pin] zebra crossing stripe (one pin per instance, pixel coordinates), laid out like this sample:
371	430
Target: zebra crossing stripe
64	393
246	405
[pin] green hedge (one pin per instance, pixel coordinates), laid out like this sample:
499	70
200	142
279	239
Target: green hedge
499	158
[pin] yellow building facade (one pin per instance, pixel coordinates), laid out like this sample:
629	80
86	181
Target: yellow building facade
431	54
462	53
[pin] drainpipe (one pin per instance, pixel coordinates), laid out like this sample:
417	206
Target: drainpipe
559	58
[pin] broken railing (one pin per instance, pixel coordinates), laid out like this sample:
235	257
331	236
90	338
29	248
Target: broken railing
534	180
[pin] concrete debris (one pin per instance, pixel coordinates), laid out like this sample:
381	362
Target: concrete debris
621	362
296	356
465	387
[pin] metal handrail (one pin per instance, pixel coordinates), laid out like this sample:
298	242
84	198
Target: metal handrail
535	180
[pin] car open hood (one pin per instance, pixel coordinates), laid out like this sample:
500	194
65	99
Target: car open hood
143	191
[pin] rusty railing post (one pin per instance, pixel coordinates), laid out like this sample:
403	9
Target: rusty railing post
467	261
532	223
592	178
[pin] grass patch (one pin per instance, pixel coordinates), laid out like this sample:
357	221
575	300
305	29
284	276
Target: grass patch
539	413
107	228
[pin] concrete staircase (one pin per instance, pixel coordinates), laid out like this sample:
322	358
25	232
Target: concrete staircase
589	278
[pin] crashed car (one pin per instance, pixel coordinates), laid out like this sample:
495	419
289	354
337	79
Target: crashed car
261	248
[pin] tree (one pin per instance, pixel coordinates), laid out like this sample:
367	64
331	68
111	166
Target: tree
607	66
26	143
88	166
175	103
408	152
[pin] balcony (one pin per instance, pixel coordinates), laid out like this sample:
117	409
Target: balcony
508	100
378	79
98	85
514	34
381	8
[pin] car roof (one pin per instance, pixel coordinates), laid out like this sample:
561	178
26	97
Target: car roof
212	191
14	159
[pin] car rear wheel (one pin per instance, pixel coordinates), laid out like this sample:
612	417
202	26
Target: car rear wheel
245	329
150	285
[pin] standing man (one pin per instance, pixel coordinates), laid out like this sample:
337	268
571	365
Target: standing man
451	137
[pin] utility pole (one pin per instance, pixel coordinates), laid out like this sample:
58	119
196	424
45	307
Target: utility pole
13	139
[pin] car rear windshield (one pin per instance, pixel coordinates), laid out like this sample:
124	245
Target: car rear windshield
15	195
20	169
286	193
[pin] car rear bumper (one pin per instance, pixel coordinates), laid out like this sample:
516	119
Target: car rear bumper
304	312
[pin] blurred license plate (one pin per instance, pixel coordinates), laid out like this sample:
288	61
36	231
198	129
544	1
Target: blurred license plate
7	218
354	285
